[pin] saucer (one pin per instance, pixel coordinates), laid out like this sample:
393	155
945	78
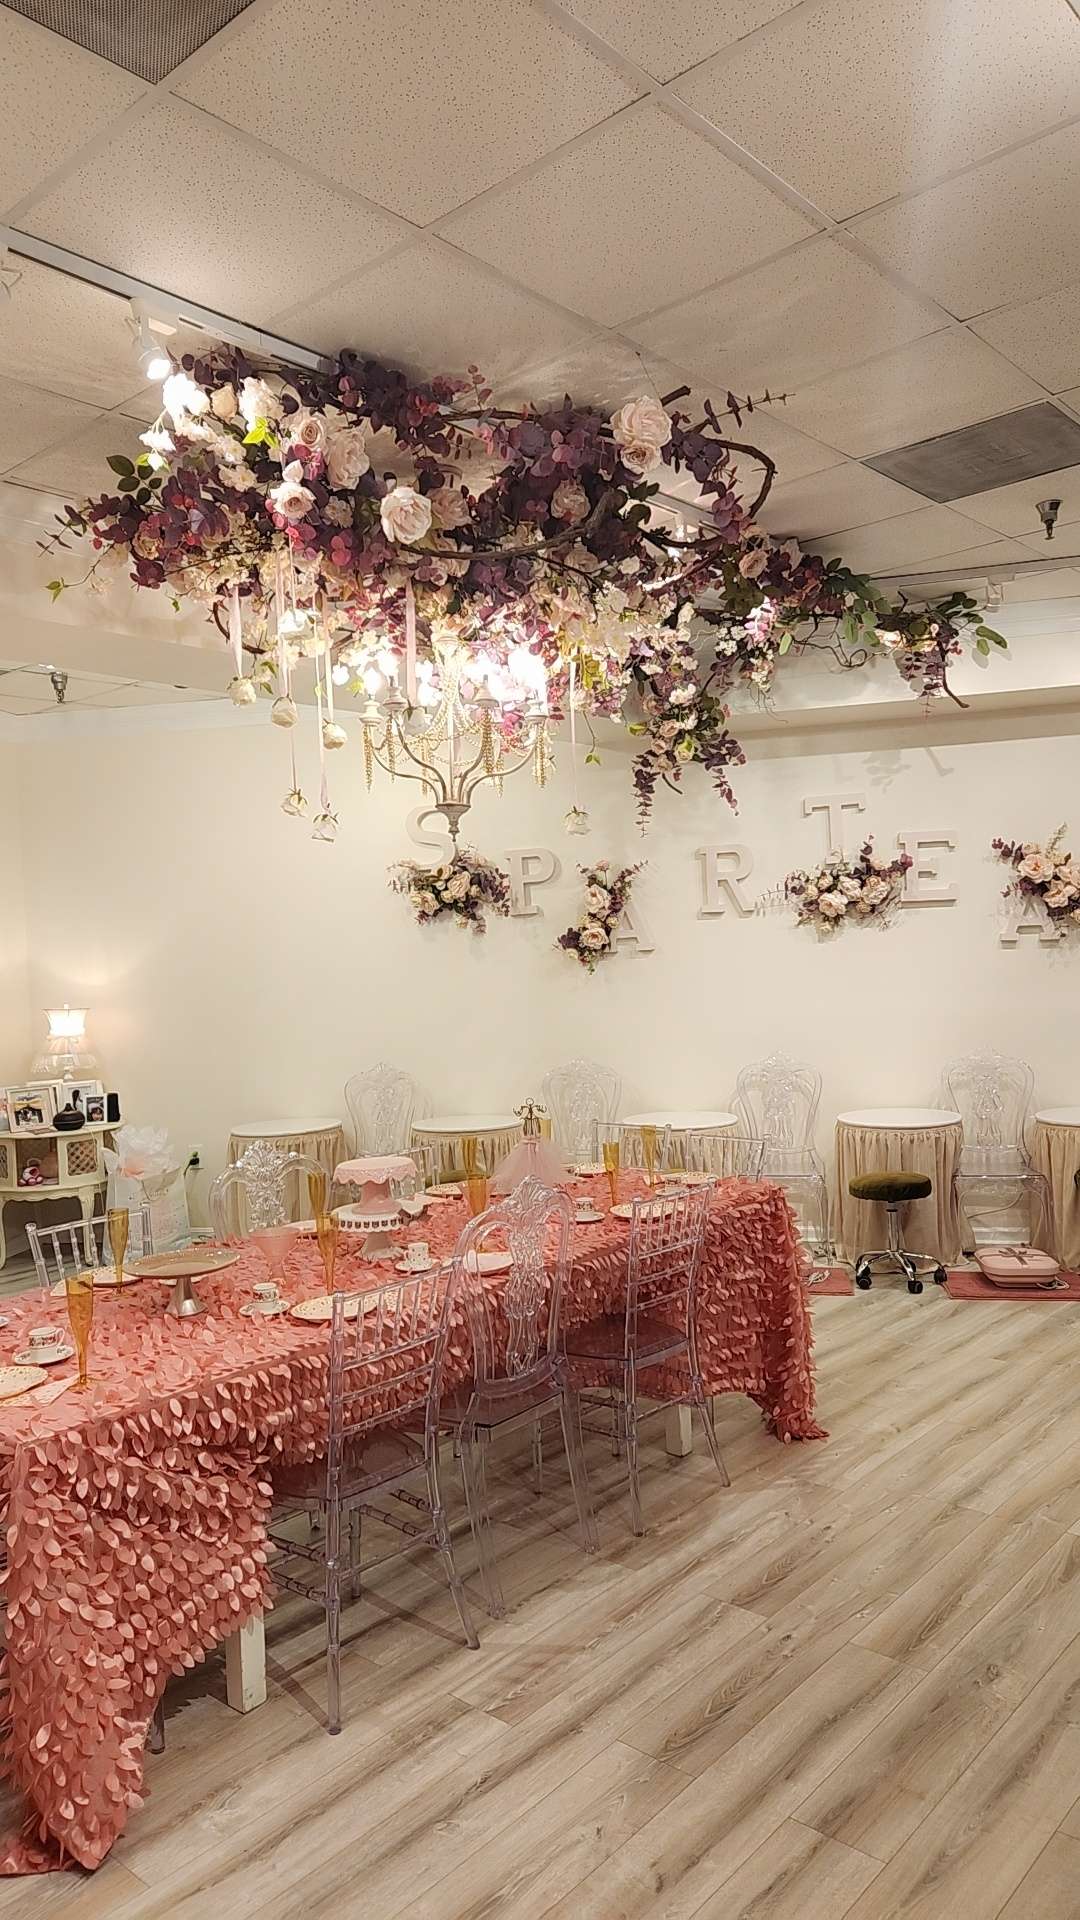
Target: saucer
264	1309
41	1357
586	1168
446	1190
401	1266
488	1263
587	1219
18	1380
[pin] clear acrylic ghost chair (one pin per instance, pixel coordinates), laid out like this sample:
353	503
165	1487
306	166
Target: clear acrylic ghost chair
719	1156
578	1096
382	1103
260	1180
83	1245
658	1328
378	1445
638	1146
999	1194
777	1101
519	1372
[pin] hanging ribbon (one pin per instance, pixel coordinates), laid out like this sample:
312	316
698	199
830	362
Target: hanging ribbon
324	656
324	792
236	632
410	644
573	733
279	591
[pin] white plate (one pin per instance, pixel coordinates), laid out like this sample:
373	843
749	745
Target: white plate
33	1357
624	1211
588	1167
321	1308
587	1219
15	1380
488	1263
446	1190
400	1266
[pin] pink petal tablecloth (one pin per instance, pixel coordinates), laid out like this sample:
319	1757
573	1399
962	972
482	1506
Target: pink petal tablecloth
136	1512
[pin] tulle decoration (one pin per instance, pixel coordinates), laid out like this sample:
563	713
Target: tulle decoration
532	1157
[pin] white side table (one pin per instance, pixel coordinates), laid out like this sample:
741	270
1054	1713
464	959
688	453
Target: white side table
1055	1151
323	1140
682	1121
495	1135
900	1140
80	1171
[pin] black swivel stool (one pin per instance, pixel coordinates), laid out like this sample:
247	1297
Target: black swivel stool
893	1191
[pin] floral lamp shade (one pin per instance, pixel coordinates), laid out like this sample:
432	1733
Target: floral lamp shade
66	1053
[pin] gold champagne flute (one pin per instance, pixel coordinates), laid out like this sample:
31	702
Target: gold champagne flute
316	1186
118	1222
648	1154
545	1126
327	1229
611	1168
479	1187
468	1155
79	1289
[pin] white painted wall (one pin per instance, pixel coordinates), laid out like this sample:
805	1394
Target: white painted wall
15	1037
238	970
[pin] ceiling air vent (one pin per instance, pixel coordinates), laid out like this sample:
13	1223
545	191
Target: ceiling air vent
148	37
1015	446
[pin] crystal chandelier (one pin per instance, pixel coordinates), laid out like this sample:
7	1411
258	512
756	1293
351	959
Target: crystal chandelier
468	719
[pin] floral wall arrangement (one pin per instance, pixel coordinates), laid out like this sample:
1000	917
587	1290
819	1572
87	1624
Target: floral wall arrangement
468	887
517	555
1049	874
606	894
844	888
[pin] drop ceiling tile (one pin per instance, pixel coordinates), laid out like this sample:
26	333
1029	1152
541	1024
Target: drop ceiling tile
77	466
53	98
1061	583
204	214
778	326
908	540
419	107
640	210
1006	231
67	337
139	694
30	684
667	39
31	420
948	380
1071	398
430	310
852	103
10	704
1064	547
1012	510
1041	336
844	496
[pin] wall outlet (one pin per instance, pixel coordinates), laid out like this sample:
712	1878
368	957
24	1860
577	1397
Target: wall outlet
194	1159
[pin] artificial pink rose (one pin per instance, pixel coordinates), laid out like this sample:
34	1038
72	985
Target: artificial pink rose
1059	895
640	456
291	499
594	938
346	457
569	501
642	423
449	507
304	429
1037	866
405	515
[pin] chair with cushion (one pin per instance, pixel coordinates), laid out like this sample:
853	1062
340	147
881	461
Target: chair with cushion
893	1191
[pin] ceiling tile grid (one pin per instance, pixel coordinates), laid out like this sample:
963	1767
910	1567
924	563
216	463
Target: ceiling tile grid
667	38
53	99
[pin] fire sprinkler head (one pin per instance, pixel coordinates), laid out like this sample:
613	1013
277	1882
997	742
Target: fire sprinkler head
1048	511
58	681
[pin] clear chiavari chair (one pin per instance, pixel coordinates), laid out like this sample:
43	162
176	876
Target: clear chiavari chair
82	1246
260	1181
642	1149
519	1372
657	1330
719	1156
579	1096
386	1360
995	1185
777	1101
383	1102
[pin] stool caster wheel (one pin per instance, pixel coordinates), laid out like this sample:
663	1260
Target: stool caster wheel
914	1286
863	1276
940	1276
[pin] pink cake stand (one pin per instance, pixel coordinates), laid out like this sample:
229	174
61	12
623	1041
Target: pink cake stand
375	1212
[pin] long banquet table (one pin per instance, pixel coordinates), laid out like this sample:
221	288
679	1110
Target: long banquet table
136	1513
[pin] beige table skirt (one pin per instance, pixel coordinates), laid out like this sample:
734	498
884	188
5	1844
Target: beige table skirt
327	1146
1055	1151
930	1226
492	1145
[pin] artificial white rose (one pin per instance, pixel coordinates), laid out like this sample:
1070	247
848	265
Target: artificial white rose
283	712
876	892
1069	874
849	886
158	439
569	501
333	735
594	938
240	478
223	402
641	456
642	423
426	902
457	888
832	905
449	507
291	499
405	515
181	395
242	691
1058	895
338	512
597	899
1037	866
346	457
257	401
305	429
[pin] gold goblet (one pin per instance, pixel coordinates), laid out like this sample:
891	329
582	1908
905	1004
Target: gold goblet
611	1168
648	1154
468	1155
118	1224
316	1186
479	1187
79	1289
327	1230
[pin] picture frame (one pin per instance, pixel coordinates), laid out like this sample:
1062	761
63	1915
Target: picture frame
54	1089
88	1098
29	1109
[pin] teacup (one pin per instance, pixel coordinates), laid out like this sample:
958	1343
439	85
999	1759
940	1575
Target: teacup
267	1293
584	1209
417	1256
43	1338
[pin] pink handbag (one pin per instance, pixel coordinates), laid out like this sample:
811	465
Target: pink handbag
1016	1266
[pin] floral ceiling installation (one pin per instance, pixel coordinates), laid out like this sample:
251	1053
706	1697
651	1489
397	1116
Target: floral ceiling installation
845	889
606	895
1048	874
481	572
468	887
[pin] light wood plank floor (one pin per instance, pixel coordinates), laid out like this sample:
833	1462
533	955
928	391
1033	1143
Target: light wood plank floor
847	1686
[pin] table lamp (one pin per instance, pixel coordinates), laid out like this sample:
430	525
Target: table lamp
66	1054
